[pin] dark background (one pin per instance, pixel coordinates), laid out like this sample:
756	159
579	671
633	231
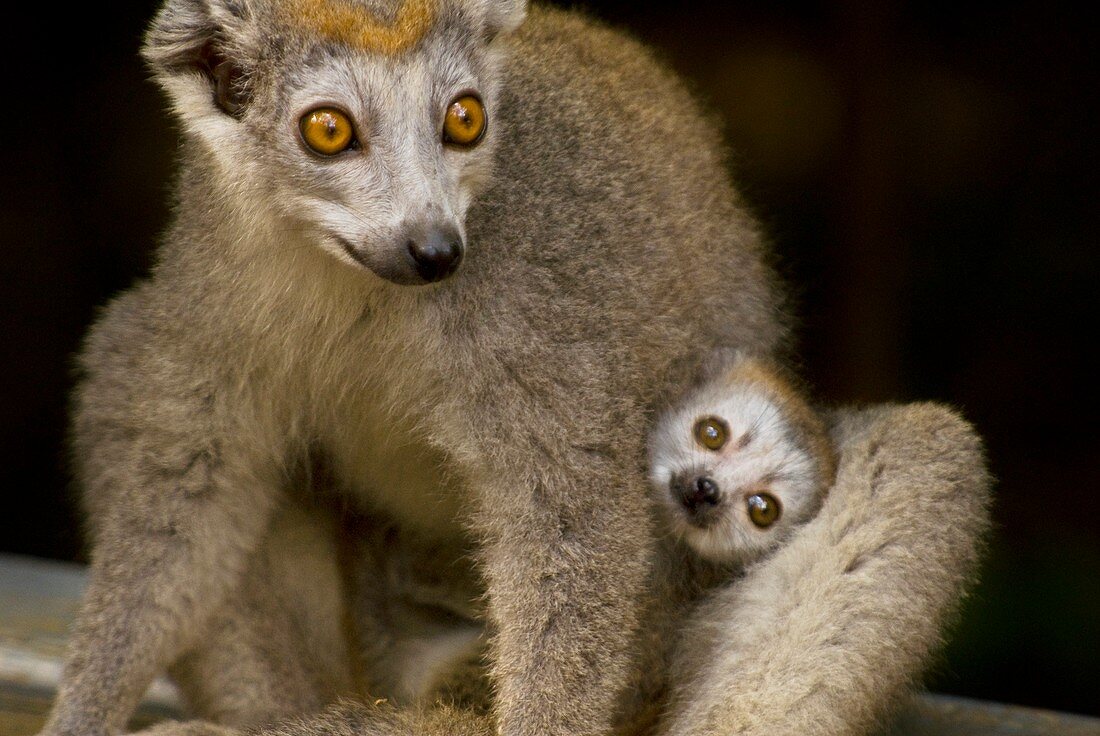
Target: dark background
927	173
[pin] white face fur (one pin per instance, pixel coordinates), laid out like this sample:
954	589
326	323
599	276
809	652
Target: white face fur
393	200
730	473
401	183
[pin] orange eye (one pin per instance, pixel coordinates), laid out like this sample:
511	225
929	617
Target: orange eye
764	509
465	121
327	131
711	433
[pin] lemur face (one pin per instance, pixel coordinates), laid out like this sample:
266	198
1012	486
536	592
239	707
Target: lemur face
362	129
731	474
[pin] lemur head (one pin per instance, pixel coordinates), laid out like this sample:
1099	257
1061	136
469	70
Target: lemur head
362	126
739	463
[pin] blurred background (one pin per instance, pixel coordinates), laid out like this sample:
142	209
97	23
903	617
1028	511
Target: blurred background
927	172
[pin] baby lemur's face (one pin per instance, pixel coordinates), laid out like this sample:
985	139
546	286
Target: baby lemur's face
730	472
363	129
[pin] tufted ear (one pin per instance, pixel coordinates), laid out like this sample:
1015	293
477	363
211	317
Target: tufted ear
200	48
505	16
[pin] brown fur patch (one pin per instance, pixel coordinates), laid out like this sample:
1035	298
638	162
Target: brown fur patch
344	21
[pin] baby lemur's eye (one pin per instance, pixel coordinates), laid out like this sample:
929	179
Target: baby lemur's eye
711	433
327	131
763	509
465	121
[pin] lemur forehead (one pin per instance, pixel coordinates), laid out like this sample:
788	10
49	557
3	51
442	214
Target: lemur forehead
354	24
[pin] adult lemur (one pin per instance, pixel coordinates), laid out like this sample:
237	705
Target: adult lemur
433	269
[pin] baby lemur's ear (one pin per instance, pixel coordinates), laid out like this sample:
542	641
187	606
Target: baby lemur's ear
202	52
718	363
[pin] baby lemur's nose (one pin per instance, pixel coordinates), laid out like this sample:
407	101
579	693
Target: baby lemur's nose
695	493
437	254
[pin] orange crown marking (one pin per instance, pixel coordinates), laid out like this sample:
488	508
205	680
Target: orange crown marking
342	21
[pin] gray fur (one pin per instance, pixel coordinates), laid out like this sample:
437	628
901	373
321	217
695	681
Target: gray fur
262	391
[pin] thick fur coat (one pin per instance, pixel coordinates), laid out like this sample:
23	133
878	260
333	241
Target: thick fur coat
275	386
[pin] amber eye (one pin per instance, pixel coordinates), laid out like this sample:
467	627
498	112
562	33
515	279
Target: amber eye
327	131
763	509
465	121
711	433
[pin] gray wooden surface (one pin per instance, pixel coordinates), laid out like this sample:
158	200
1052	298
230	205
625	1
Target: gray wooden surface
38	600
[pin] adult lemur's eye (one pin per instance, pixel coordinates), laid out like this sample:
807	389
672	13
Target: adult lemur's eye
327	131
763	509
465	121
711	433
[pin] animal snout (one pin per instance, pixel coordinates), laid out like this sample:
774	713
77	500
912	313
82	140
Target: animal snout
696	493
437	254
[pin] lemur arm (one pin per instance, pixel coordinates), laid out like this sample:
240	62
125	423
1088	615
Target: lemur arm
826	635
561	582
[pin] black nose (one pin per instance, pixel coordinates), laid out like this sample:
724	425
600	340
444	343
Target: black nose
436	255
695	493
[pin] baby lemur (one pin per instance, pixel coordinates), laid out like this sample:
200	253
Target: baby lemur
427	272
740	462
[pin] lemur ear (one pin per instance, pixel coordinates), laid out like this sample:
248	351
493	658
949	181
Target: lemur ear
718	362
505	16
207	42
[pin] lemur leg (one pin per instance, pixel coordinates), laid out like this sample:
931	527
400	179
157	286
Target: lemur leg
351	718
460	708
169	546
279	655
825	636
280	645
